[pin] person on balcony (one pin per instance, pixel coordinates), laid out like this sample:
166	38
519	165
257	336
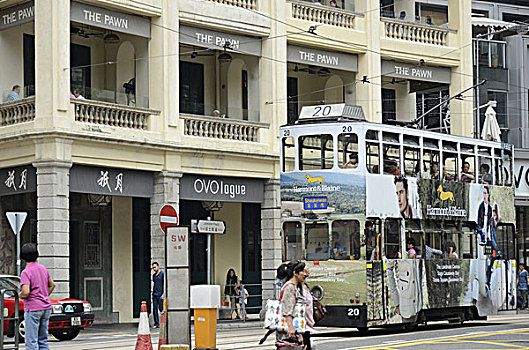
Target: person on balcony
333	3
429	21
14	94
402	15
77	94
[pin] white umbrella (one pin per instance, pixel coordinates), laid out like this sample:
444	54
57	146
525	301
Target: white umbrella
491	129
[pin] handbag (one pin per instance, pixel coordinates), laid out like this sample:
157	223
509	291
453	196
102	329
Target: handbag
274	319
320	312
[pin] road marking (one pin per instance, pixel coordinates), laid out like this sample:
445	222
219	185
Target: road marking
492	343
444	339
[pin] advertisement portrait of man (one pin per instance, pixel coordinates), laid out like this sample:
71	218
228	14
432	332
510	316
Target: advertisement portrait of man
401	188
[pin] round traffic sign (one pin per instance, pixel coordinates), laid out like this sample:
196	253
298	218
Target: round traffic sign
168	217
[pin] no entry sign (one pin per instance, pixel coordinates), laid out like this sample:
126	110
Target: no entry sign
168	217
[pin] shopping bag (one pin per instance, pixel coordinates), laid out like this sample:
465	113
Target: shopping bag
274	319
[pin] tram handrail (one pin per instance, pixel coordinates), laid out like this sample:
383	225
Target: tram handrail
4	318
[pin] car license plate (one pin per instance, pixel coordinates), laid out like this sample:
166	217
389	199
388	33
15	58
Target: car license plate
75	321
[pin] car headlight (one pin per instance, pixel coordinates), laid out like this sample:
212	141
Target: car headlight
87	307
56	309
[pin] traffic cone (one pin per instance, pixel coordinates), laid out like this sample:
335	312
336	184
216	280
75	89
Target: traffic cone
163	337
144	334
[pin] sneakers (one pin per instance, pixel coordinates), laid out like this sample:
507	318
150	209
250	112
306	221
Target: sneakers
155	326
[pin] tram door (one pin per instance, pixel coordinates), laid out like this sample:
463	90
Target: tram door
376	308
503	269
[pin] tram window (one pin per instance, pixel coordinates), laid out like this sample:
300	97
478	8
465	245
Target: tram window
315	152
451	248
411	162
288	154
507	167
505	241
415	239
485	175
450	167
373	157
431	143
292	241
390	137
410	140
431	157
467	148
373	243
317	241
372	135
345	240
348	151
392	239
497	171
449	146
391	159
468	245
432	245
467	169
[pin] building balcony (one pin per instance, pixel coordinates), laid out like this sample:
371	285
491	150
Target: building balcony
247	4
415	32
318	13
99	113
16	112
221	128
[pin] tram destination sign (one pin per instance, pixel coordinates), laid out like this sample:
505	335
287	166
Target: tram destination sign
332	111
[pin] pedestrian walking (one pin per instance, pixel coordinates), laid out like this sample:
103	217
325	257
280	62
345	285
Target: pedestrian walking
157	292
36	286
292	294
522	287
231	291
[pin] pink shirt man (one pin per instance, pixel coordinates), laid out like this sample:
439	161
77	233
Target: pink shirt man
36	276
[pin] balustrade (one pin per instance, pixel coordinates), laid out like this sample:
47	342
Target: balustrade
18	111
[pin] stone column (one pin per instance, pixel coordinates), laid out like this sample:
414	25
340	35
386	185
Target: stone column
270	237
53	221
166	190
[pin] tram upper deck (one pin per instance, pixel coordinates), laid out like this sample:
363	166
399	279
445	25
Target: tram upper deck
362	147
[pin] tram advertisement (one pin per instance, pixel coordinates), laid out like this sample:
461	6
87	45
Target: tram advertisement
322	193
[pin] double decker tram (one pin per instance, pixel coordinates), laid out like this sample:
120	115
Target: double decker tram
397	225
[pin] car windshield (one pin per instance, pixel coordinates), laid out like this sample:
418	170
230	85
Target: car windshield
9	284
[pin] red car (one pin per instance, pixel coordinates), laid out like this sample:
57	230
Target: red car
68	316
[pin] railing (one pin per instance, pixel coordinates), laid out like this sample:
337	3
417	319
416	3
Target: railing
18	111
409	31
103	113
322	14
247	4
222	128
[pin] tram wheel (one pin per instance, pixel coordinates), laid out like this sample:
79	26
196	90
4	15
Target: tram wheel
363	330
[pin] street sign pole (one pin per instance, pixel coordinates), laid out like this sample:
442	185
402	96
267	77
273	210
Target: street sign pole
16	220
209	254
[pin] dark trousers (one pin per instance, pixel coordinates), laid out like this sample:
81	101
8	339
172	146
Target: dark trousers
157	304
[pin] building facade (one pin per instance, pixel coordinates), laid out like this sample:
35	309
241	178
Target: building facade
127	105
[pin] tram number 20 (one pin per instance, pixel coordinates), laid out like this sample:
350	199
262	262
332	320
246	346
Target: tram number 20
353	312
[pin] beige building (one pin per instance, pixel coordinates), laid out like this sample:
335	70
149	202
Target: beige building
121	107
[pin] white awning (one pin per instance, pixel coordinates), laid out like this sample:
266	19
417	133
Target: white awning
491	23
